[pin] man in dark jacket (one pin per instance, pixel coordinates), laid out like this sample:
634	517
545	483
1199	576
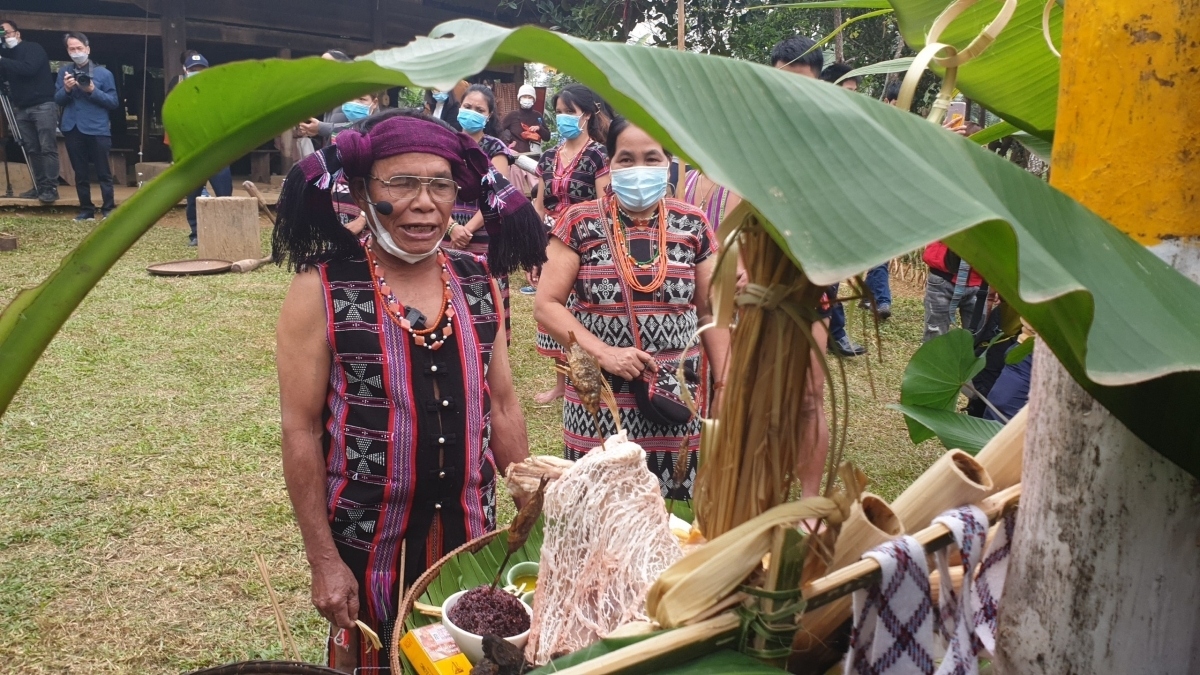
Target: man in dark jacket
87	92
26	68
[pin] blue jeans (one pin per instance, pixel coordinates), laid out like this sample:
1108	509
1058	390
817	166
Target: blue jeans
85	151
38	138
877	282
222	183
837	315
939	295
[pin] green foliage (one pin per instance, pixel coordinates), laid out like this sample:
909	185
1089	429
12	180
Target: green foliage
1018	353
1017	77
955	431
1120	320
934	377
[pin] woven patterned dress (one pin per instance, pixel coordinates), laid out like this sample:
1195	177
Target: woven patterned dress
567	183
666	321
407	431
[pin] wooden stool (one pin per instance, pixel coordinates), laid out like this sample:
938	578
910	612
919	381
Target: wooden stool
227	228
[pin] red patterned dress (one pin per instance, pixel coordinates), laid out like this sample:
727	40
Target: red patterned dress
407	431
665	318
567	183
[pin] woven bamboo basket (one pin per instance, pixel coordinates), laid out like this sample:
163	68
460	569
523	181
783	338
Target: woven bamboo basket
422	584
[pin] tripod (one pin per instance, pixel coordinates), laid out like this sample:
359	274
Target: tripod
11	118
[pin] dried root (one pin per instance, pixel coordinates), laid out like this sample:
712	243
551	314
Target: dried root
589	382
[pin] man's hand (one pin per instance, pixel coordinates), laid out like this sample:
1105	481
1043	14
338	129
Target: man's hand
460	236
90	88
309	128
335	593
68	82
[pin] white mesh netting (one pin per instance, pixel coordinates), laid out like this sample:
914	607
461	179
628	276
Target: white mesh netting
607	539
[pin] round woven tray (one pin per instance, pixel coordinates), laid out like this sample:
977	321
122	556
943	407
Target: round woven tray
422	584
180	268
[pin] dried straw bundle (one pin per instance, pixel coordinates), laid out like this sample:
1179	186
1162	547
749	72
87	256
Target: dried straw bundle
749	466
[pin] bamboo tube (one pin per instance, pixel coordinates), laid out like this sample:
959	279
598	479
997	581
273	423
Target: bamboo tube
871	523
934	537
954	480
812	651
1003	454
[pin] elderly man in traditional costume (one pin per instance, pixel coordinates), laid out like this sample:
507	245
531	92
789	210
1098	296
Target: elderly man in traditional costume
397	400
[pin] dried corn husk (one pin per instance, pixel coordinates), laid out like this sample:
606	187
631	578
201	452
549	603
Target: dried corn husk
523	477
749	466
704	578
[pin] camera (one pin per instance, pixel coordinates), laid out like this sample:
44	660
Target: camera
82	78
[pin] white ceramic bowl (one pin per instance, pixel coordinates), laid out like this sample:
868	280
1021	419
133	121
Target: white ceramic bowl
471	644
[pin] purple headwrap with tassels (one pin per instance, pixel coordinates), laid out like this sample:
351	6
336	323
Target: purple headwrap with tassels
518	236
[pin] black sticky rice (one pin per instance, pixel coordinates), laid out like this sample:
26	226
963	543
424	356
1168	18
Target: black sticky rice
488	611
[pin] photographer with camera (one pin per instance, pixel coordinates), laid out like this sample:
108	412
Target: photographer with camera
26	68
87	92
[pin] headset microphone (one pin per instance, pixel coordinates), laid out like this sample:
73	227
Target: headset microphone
383	207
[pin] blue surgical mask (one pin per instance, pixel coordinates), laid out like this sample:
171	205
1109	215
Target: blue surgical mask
471	122
568	125
640	187
353	110
441	96
79	58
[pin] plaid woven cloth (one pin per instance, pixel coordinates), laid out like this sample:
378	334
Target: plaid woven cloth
989	582
893	621
969	526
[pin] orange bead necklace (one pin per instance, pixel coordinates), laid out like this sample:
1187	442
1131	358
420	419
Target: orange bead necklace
429	337
623	257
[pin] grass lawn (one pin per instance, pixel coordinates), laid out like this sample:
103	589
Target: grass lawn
141	463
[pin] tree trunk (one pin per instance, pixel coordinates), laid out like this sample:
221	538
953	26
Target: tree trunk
839	40
1105	569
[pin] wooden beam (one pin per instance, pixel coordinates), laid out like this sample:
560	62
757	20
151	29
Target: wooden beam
208	31
377	25
101	25
174	37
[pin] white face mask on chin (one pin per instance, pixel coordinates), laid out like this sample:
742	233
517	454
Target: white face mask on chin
388	244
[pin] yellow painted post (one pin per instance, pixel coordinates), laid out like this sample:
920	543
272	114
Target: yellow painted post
1127	141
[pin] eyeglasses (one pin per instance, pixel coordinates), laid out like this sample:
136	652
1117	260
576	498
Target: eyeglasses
405	188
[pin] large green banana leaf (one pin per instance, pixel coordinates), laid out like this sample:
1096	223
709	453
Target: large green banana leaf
844	181
1017	77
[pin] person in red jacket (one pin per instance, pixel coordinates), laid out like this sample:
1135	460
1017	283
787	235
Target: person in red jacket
952	285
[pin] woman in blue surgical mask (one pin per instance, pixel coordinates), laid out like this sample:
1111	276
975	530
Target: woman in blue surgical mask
476	117
637	265
574	171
